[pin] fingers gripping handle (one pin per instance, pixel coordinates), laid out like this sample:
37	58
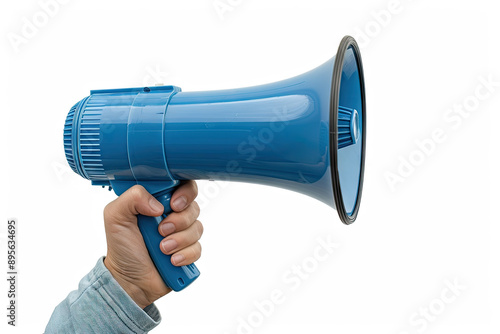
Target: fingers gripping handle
176	278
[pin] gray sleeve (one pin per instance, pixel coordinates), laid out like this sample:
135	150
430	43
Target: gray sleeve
100	305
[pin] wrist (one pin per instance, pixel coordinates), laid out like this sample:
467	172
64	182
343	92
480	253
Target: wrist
135	292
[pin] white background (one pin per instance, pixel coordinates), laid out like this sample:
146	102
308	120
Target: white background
439	225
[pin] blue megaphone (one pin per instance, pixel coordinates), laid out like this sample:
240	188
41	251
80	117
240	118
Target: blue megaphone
305	134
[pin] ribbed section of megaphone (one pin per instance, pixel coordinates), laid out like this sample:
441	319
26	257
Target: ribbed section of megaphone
348	125
68	138
90	129
82	138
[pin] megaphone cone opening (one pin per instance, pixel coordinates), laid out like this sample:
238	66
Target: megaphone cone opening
347	155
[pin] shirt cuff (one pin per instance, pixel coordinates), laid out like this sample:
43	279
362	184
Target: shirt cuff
120	303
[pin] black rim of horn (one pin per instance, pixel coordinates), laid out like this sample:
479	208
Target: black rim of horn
346	43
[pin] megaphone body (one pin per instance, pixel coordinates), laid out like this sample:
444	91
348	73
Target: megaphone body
305	134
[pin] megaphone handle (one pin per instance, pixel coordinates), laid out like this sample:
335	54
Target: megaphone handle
176	278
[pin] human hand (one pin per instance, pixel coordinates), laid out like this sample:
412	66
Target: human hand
128	259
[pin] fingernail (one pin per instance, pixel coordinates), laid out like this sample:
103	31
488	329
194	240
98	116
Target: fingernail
177	258
167	228
155	205
180	203
168	245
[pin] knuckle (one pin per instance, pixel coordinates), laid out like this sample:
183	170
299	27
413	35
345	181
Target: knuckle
199	228
107	211
196	208
137	191
195	188
197	251
194	253
184	222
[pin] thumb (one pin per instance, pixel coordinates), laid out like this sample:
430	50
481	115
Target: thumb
134	201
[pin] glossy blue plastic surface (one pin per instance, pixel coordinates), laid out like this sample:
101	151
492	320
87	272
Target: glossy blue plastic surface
276	134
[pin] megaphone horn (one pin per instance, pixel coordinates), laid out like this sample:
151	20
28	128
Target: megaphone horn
305	134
